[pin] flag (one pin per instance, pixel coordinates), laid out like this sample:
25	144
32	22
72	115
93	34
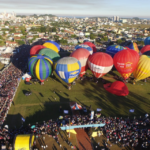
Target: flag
23	119
131	110
92	114
66	111
98	109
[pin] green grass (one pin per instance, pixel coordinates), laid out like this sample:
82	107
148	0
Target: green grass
41	105
1	66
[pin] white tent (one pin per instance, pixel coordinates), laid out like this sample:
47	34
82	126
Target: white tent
26	75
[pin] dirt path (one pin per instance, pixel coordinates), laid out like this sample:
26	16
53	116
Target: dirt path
83	139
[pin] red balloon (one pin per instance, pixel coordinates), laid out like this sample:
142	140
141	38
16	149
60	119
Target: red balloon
117	88
82	55
35	49
100	63
145	49
91	45
126	61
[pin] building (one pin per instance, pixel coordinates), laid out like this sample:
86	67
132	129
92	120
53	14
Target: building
116	18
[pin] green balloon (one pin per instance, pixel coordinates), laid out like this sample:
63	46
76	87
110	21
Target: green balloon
50	53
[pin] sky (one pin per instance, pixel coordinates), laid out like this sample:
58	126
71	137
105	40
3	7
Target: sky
122	8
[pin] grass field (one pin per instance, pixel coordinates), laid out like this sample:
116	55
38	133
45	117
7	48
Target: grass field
1	66
42	106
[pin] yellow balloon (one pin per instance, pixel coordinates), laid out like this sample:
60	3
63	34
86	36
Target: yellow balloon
142	70
51	46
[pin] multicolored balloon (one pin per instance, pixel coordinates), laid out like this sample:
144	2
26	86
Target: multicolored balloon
145	49
134	47
125	62
85	47
68	68
146	53
35	49
82	55
100	63
142	70
40	66
91	45
147	41
113	49
51	46
55	43
50	53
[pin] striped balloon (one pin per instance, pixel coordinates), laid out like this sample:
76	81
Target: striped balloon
40	66
51	46
134	47
100	63
68	68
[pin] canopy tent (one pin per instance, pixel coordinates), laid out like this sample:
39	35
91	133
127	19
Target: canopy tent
26	75
75	106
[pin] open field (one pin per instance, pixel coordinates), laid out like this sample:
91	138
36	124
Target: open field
42	106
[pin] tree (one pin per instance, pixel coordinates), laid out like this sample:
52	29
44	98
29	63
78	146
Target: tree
73	36
119	41
92	36
20	42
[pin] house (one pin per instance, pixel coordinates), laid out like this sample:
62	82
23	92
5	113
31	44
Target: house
9	43
18	34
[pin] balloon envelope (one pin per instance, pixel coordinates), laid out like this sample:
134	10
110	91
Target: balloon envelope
40	66
146	53
68	68
142	70
147	41
117	88
51	46
134	47
50	53
82	55
91	45
145	49
125	62
100	63
55	43
35	49
113	49
85	47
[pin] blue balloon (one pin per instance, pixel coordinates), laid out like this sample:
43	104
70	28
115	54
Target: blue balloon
113	49
53	42
147	41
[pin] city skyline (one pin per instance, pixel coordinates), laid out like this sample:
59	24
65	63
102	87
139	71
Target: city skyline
128	8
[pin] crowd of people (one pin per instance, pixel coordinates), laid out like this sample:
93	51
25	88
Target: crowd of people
9	79
128	132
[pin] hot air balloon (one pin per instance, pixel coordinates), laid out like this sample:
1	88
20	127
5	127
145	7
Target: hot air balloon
117	88
85	47
145	49
35	49
142	70
51	46
82	55
125	62
68	68
113	49
40	66
50	53
146	53
134	47
147	41
55	43
91	45
100	63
